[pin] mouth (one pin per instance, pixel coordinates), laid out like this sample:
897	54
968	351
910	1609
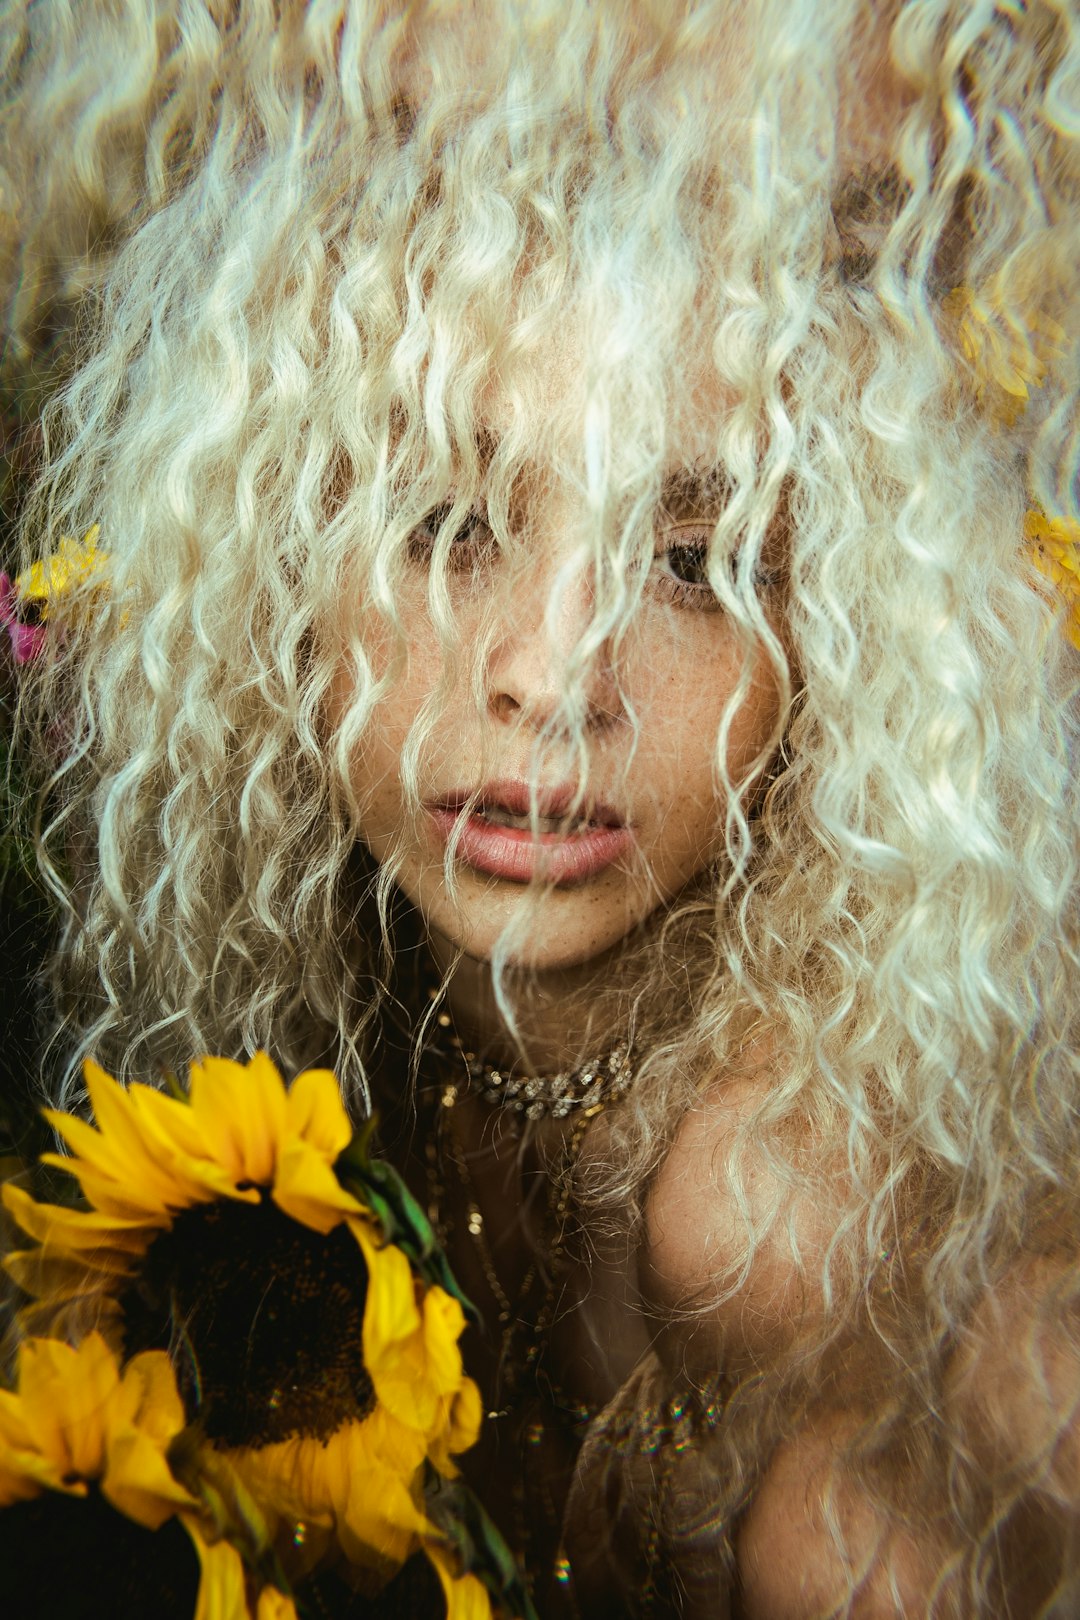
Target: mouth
504	831
497	815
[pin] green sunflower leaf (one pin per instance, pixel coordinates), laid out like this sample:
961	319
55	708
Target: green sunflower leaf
459	1514
217	1486
404	1222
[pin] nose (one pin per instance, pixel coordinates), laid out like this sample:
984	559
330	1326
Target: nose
544	661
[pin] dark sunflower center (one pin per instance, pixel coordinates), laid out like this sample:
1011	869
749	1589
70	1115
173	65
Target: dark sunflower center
263	1318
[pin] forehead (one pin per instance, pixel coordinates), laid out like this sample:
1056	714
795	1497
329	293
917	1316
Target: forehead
716	62
556	398
601	203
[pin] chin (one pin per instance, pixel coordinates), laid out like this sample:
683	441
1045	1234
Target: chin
544	938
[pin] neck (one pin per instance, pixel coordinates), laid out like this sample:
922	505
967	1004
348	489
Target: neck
562	1016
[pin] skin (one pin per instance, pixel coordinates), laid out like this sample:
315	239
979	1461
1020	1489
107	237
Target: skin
653	710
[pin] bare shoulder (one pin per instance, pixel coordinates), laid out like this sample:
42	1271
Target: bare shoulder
734	1245
1015	1378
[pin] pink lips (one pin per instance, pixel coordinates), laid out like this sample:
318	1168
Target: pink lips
517	854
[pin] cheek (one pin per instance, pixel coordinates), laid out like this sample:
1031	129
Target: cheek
676	772
404	670
684	698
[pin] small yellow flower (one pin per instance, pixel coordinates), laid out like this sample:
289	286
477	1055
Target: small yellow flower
1009	350
226	1205
76	1422
75	564
1055	550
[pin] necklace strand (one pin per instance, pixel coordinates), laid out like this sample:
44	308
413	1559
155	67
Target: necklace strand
593	1085
523	1385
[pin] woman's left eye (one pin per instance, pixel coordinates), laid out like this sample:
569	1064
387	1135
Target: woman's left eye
680	571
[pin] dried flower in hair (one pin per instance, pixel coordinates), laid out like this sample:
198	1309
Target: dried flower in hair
1055	548
1009	349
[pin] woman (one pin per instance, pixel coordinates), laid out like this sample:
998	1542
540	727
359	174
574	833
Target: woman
569	657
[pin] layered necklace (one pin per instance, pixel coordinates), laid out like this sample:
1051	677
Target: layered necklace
592	1086
526	1394
544	1421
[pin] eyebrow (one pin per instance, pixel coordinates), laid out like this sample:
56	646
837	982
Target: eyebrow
695	488
864	206
691	485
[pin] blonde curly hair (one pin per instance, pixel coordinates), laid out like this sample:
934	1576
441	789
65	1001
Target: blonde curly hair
300	241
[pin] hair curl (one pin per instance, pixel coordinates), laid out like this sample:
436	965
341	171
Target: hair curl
302	239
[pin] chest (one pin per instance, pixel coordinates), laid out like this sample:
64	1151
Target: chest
719	1268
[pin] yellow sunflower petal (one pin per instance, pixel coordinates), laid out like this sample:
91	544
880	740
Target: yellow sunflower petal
59	1276
458	1427
76	1230
148	1145
168	1122
103	1191
119	1133
69	1319
16	1429
90	1146
138	1481
274	1605
316	1113
172	1129
147	1415
444	1323
222	1594
391	1315
381	1522
466	1597
434	1363
306	1188
412	1356
358	1484
294	1479
23	1476
414	1374
240	1110
395	1445
67	1392
160	1409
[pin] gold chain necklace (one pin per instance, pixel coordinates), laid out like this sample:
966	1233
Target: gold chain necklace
592	1086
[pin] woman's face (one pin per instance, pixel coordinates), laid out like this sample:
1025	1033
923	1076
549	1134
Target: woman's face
623	822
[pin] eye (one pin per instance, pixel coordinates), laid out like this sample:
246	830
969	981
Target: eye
680	571
472	541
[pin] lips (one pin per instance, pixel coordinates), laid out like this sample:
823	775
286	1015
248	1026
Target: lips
500	837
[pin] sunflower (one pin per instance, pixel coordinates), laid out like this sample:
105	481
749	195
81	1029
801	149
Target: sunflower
309	1352
83	1465
1055	548
75	565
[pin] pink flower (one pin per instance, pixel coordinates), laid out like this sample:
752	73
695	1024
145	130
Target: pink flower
27	640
